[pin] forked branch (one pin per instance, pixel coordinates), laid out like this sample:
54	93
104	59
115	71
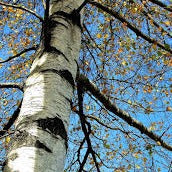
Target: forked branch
129	25
84	129
89	86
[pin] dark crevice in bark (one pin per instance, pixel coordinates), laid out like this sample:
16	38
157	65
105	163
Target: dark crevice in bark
52	23
74	16
5	167
23	138
54	50
66	74
55	126
41	145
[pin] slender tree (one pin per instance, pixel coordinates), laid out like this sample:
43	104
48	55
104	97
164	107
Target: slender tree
122	113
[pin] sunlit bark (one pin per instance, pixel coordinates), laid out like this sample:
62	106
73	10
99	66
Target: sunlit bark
40	139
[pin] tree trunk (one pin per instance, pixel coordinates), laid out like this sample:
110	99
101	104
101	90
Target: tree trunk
40	139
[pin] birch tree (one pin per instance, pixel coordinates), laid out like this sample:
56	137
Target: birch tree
106	61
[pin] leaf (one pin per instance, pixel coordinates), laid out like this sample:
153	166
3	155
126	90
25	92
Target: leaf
124	63
120	50
137	166
129	102
5	103
106	36
10	9
167	23
87	108
99	35
107	146
168	108
104	91
7	139
154	46
158	143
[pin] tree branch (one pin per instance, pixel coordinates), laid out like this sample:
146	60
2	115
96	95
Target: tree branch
83	125
155	23
23	8
89	86
22	52
12	85
157	2
103	124
84	161
129	25
11	120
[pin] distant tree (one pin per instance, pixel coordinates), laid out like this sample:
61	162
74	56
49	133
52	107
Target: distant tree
119	90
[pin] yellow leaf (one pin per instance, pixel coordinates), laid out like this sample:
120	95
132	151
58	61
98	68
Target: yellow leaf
19	11
144	159
107	19
137	166
158	143
106	36
5	102
14	52
99	35
7	139
129	102
168	108
154	46
146	77
10	9
167	23
87	108
120	50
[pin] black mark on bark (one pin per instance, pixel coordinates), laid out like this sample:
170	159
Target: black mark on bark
55	126
74	16
64	74
40	145
54	50
68	76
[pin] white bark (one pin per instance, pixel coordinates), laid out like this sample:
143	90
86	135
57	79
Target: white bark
39	144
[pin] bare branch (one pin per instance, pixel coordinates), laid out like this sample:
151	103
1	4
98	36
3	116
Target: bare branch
84	161
129	25
22	52
103	124
23	8
89	86
149	16
83	125
12	85
157	2
155	23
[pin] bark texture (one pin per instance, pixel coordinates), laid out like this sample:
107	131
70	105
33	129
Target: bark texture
40	139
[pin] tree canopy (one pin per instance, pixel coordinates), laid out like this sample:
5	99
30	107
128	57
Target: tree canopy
121	111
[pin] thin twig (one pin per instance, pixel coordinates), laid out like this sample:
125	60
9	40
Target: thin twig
89	86
19	54
129	25
23	8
